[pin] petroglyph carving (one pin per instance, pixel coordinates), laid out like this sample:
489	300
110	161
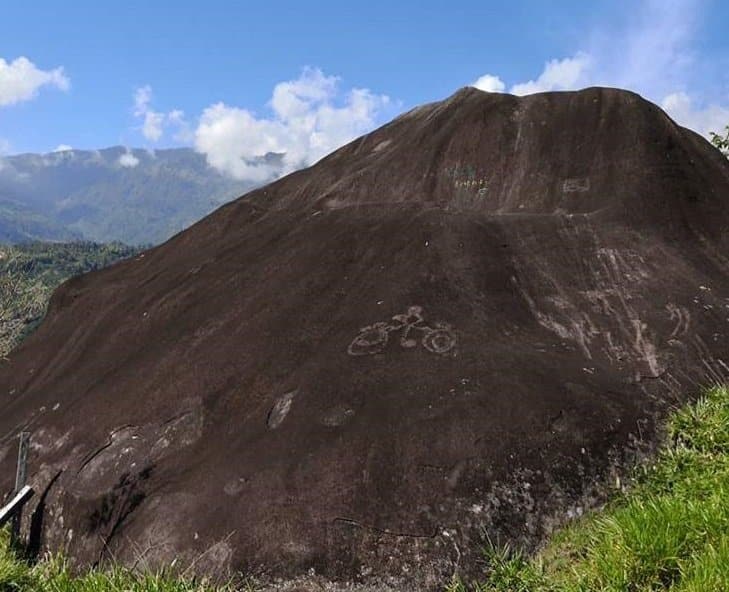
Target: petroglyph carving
605	315
682	316
646	349
471	184
280	410
440	339
468	177
382	145
576	185
337	416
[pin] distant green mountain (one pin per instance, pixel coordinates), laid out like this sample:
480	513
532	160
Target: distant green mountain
19	223
115	194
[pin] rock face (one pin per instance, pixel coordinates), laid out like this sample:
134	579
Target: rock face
457	322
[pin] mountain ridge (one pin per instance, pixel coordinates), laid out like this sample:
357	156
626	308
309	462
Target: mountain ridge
98	195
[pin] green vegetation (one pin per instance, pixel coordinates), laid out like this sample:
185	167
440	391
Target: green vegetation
30	272
721	142
19	223
55	575
670	532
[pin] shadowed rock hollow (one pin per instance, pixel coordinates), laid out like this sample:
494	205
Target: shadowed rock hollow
456	323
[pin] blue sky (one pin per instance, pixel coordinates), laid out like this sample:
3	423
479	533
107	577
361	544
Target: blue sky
237	79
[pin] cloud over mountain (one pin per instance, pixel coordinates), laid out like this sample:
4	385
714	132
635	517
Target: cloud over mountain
128	160
154	123
310	116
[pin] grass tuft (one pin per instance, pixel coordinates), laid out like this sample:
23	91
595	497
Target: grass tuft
54	574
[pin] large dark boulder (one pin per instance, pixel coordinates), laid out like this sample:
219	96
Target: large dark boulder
456	324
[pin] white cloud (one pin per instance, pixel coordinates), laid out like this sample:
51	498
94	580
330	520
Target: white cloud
711	118
128	160
489	83
152	120
20	80
653	54
564	74
142	99
152	128
62	148
5	147
310	118
232	138
155	122
183	133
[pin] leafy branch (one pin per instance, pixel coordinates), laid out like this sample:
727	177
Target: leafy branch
722	143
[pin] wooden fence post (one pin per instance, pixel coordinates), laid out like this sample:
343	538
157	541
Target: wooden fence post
21	474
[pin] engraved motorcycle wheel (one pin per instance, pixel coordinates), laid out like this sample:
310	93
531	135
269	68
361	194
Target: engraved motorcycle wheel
440	340
371	340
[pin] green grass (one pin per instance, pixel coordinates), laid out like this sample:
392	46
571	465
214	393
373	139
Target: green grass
54	575
670	532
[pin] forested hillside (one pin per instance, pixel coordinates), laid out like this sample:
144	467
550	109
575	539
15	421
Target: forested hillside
19	223
30	272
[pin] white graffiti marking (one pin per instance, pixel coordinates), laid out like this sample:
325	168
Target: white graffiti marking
440	339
